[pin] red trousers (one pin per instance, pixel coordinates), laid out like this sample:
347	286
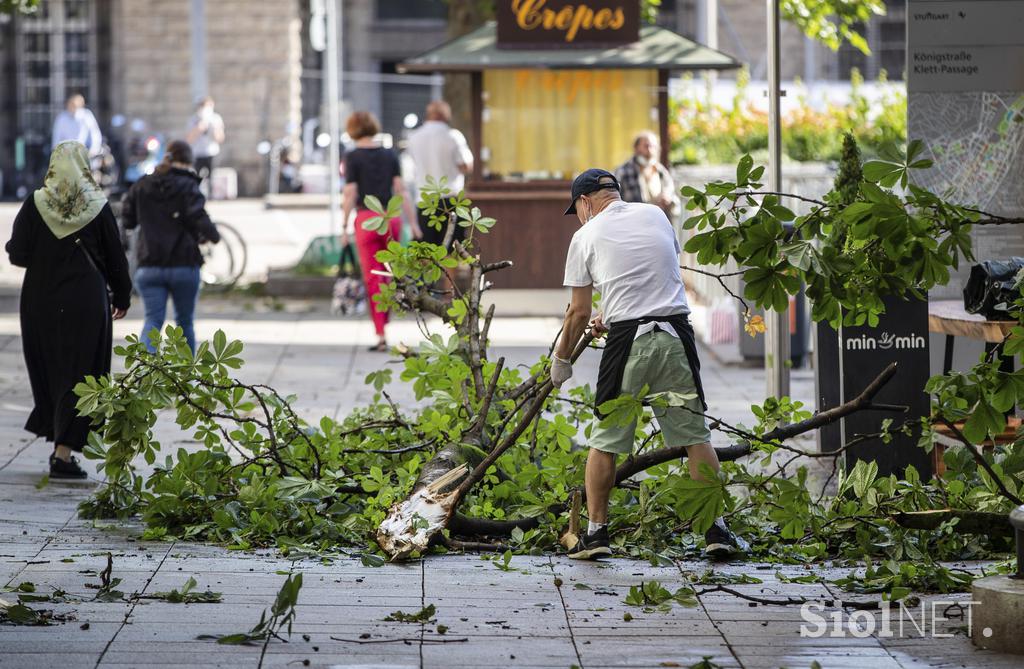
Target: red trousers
369	243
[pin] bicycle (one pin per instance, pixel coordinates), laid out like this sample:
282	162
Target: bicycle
224	263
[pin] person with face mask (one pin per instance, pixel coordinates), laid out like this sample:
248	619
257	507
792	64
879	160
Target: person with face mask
628	252
645	179
77	123
205	134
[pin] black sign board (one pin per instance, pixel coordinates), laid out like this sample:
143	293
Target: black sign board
850	359
532	24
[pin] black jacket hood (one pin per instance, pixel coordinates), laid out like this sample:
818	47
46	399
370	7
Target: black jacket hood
170	210
169	185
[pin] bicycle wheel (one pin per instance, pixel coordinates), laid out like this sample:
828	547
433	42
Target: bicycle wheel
224	262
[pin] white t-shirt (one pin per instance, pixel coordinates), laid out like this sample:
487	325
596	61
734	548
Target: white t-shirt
437	150
629	252
205	145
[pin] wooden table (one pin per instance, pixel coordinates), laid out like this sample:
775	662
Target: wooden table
949	317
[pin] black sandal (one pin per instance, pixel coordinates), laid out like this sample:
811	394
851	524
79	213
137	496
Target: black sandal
379	348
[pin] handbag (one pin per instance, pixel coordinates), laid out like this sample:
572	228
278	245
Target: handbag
348	296
992	288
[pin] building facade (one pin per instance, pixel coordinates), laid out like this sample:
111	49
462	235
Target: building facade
132	60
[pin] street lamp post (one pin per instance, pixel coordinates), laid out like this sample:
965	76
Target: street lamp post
776	344
333	94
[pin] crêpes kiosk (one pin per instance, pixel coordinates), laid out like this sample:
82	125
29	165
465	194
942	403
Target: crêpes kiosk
557	87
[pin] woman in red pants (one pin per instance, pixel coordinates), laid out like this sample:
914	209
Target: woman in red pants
370	169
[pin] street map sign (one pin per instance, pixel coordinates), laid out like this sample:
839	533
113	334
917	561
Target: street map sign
965	86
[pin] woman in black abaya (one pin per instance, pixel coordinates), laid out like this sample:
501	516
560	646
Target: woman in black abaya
67	239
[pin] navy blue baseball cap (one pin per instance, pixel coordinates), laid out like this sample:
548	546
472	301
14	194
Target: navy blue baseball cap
588	182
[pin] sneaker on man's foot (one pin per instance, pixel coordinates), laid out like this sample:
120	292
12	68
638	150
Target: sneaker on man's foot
590	546
66	469
721	543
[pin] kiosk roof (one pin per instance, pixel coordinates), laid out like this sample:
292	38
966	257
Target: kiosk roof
657	48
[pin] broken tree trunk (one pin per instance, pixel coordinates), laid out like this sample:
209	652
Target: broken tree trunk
405	529
412	524
967	522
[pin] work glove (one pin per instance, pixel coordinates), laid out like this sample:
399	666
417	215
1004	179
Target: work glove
561	371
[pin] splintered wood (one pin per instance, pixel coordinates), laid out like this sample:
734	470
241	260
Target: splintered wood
412	523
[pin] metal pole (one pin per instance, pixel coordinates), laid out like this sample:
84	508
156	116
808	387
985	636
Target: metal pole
711	23
776	344
197	19
332	56
709	29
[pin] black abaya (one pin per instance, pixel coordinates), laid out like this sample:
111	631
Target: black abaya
66	327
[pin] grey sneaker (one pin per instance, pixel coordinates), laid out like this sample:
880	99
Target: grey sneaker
721	543
591	546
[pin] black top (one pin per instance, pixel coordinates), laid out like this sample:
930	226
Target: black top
373	171
171	212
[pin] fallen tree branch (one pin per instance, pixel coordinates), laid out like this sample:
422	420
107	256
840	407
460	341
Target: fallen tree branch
982	462
638	463
800	601
538	403
967	522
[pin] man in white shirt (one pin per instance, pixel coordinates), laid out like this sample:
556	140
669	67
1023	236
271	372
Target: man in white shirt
439	151
628	252
78	123
205	134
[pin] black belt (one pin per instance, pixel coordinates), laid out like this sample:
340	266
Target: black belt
620	343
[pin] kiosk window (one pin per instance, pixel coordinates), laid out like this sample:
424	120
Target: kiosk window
553	124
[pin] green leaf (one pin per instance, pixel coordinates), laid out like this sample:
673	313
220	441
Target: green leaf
984	420
701	501
800	254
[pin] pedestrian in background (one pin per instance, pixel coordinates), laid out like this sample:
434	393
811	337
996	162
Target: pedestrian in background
439	151
66	238
76	123
645	179
205	134
371	169
170	212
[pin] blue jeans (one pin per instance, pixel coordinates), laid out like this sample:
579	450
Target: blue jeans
181	283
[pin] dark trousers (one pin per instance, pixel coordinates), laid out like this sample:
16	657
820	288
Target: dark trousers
204	167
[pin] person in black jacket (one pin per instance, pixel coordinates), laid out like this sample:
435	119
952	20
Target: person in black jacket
66	238
170	211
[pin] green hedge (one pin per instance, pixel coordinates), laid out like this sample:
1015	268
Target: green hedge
703	133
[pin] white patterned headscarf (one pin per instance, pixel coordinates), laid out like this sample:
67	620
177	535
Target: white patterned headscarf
70	198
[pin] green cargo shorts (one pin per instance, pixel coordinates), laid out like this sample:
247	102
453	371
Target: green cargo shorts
658	360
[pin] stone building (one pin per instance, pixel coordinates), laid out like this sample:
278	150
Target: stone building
134	58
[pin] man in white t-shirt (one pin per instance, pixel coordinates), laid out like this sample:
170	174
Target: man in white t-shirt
628	252
205	134
78	123
439	151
